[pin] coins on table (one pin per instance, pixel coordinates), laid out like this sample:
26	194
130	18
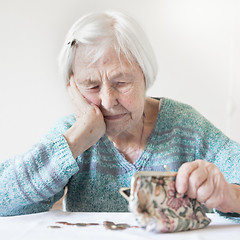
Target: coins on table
81	224
65	223
54	226
119	226
107	224
78	224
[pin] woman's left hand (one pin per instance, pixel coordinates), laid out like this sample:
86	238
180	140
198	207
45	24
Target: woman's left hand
205	182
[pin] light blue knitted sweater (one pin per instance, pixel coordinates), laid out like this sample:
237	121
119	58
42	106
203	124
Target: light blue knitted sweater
34	181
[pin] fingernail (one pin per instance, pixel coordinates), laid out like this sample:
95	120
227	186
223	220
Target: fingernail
179	188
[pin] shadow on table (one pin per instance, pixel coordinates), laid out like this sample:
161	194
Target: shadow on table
228	226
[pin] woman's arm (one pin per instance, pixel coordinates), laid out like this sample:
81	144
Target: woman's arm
212	179
89	126
34	181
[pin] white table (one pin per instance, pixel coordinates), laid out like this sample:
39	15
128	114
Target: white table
35	227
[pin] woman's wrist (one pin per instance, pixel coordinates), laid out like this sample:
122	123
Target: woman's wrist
80	137
74	141
236	198
232	201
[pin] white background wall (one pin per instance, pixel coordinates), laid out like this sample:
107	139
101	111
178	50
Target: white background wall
197	44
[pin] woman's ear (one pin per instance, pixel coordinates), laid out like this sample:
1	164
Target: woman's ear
69	81
69	85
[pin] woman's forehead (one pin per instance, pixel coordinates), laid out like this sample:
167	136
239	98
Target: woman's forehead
87	57
109	63
97	74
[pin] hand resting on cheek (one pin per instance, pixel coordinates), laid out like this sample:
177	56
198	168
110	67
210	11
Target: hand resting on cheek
89	126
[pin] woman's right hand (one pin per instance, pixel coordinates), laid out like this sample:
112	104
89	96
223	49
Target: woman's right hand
89	126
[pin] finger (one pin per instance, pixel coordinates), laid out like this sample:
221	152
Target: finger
205	191
78	99
216	186
81	103
214	200
97	109
198	177
71	89
184	172
75	91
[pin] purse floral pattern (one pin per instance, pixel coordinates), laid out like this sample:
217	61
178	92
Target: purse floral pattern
158	207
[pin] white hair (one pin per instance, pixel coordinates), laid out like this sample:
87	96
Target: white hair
98	31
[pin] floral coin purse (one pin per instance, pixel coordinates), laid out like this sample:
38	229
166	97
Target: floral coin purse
158	207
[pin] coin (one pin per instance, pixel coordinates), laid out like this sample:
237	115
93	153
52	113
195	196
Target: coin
80	224
122	226
113	226
54	227
109	225
64	223
93	224
134	226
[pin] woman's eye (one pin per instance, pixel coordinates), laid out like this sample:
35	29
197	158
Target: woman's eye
95	88
122	84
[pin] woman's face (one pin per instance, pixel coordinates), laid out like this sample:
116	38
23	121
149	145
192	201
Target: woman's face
117	88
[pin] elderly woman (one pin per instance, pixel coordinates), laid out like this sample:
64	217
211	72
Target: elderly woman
108	65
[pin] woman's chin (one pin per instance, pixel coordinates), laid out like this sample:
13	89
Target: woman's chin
113	132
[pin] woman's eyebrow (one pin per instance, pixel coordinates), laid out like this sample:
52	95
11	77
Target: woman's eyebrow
120	75
89	81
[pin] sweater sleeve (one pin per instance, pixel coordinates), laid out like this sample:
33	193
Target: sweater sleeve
214	146
228	160
210	144
35	180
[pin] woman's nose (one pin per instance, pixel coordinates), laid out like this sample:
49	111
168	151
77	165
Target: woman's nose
108	97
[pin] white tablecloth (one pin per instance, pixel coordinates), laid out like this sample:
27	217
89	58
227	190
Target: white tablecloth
35	227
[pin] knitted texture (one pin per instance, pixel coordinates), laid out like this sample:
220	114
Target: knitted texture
34	181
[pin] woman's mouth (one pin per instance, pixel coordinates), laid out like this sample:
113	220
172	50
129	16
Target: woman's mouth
114	117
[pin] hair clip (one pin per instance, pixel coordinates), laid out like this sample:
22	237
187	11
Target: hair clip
72	43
